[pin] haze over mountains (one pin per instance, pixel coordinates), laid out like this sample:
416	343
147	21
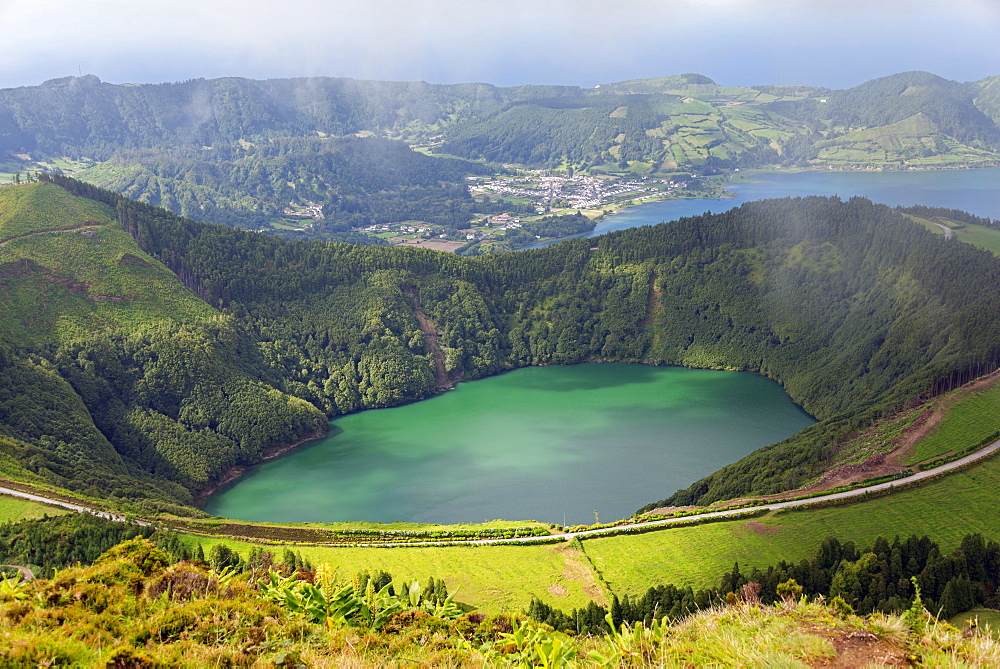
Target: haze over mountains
108	326
118	381
238	151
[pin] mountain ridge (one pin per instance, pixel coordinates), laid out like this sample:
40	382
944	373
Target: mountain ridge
299	330
239	151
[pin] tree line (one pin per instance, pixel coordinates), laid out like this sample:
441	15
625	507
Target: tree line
886	576
850	306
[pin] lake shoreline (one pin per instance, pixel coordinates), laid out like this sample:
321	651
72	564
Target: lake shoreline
236	472
575	444
748	176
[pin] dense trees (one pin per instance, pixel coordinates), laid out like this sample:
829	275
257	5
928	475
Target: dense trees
49	544
572	130
239	152
849	305
354	181
882	577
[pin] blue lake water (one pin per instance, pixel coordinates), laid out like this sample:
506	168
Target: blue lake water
975	191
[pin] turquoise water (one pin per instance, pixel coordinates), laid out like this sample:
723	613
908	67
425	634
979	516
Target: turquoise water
544	443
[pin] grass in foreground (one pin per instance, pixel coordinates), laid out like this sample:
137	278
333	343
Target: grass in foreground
504	578
134	609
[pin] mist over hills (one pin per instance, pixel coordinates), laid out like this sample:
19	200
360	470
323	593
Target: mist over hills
144	347
144	354
238	151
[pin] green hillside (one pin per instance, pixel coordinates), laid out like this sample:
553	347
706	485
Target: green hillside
113	367
144	354
117	381
272	154
339	183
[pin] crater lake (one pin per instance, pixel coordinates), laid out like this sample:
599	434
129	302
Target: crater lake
544	443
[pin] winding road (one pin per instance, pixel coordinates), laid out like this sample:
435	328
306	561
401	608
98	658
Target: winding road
948	233
569	536
857	492
66	505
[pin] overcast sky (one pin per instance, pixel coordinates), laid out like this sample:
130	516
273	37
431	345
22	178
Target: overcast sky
833	43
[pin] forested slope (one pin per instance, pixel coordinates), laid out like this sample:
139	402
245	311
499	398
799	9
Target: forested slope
240	151
355	182
849	305
115	380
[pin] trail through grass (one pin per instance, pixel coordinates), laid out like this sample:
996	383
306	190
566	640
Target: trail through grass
492	578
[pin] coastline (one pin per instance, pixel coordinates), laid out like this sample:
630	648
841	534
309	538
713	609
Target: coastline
753	174
236	472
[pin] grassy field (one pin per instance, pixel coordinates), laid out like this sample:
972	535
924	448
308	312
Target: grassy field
945	510
926	223
981	236
13	509
23	209
78	271
986	618
506	577
882	437
492	578
977	235
498	578
967	423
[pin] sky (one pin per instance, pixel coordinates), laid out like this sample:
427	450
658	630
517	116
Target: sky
831	43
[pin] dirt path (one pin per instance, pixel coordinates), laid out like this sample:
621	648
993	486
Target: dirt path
71	228
431	336
652	301
577	569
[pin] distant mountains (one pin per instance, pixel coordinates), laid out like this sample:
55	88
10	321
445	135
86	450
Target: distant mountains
239	151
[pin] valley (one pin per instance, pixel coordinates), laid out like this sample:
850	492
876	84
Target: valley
273	156
202	295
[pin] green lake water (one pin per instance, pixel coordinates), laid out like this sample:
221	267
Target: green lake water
544	443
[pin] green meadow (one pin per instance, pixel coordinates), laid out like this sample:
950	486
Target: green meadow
945	510
13	509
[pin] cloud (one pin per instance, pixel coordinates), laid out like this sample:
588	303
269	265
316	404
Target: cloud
827	42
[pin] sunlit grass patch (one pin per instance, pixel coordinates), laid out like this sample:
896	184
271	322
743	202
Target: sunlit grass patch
966	424
14	508
945	510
